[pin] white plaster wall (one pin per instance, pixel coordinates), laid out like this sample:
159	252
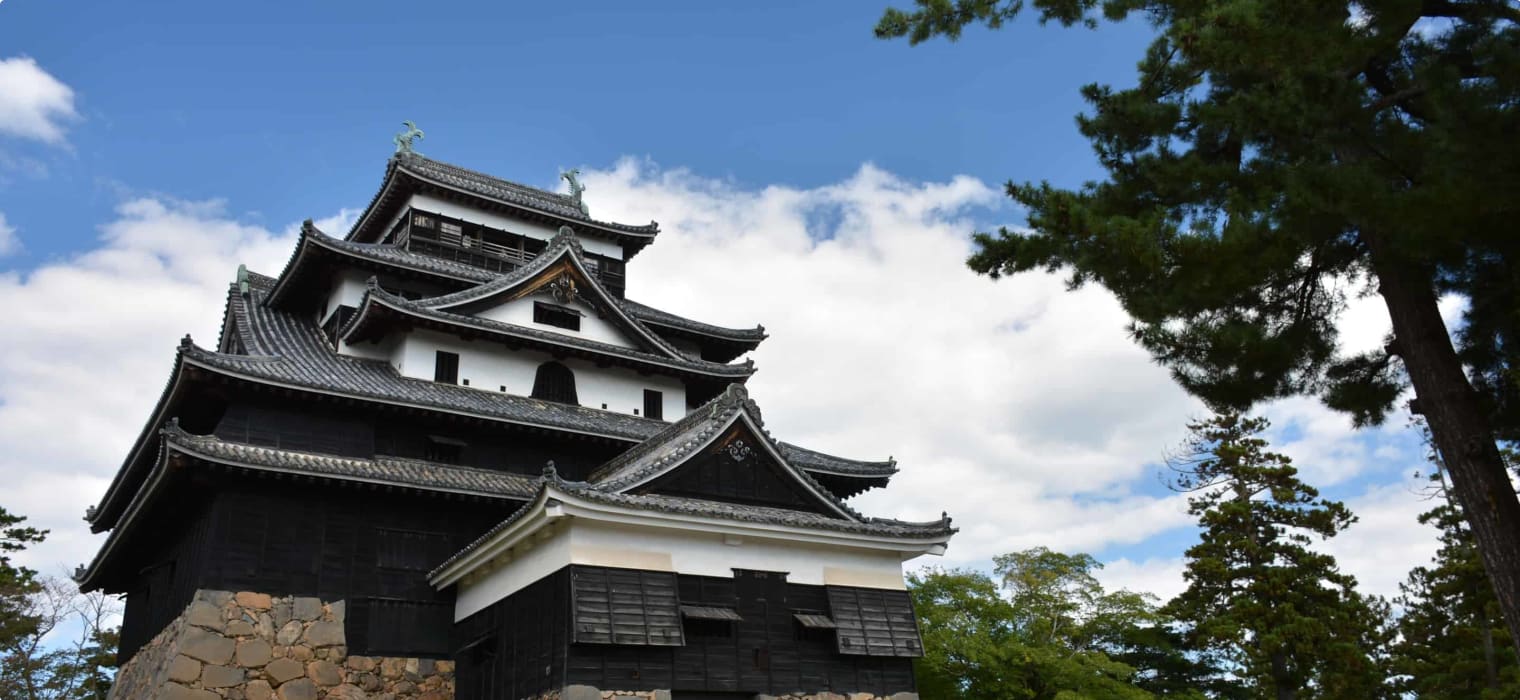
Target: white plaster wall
526	566
346	289
593	326
490	366
704	554
714	554
518	226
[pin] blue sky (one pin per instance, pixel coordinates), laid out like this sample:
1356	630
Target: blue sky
196	133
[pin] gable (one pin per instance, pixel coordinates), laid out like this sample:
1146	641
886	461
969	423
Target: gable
546	302
736	468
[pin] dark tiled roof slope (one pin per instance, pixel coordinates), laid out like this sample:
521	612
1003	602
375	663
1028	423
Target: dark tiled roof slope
383	470
491	187
680	361
649	314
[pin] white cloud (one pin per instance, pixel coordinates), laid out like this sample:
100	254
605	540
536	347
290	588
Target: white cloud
1160	576
1387	540
9	243
90	341
1020	407
33	104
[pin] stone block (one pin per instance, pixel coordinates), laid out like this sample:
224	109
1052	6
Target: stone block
337	610
324	634
239	628
580	692
298	689
254	653
220	676
325	673
209	647
215	598
184	669
661	695
305	608
203	614
905	696
362	664
281	612
258	690
253	601
289	633
299	653
281	670
263	626
175	691
445	666
347	692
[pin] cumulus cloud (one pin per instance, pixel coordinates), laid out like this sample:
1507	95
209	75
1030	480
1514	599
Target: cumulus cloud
9	243
1020	407
33	104
90	342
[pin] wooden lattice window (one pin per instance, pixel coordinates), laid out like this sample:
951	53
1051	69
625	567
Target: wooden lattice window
555	382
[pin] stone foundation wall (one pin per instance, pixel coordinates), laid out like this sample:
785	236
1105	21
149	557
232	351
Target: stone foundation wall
250	646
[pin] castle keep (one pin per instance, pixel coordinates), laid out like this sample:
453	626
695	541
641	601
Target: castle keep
446	456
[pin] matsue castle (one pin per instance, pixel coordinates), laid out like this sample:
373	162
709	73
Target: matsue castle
444	456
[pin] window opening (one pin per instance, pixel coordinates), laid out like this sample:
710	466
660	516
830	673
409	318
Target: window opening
554	382
559	316
446	367
654	404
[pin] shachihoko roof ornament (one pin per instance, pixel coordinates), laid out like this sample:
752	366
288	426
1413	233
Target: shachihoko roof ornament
404	139
573	176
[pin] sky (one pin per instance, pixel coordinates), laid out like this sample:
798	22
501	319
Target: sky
805	176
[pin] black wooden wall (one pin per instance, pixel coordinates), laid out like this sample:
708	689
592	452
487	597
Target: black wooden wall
357	432
767	652
516	648
372	548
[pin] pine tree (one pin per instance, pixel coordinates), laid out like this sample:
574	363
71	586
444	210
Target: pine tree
1284	614
1276	155
1452	641
17	583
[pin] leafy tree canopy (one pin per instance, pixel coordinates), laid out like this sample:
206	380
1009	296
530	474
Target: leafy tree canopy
1275	157
1257	594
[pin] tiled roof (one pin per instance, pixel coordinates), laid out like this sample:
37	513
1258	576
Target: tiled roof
699	507
680	361
672	446
395	471
559	205
649	314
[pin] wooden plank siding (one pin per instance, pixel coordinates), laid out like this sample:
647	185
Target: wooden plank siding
308	538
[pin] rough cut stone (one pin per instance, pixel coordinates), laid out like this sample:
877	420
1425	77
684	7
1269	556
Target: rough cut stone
300	653
264	626
324	634
288	634
221	676
337	610
281	612
253	601
298	689
306	608
258	690
325	673
347	692
203	614
580	692
175	691
239	628
281	670
209	647
184	669
253	653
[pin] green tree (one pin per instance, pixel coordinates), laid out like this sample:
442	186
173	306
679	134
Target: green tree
1285	615
17	583
1046	630
1452	641
1275	155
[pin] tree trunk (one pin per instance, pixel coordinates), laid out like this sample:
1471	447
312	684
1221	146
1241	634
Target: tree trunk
1281	680
1458	426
